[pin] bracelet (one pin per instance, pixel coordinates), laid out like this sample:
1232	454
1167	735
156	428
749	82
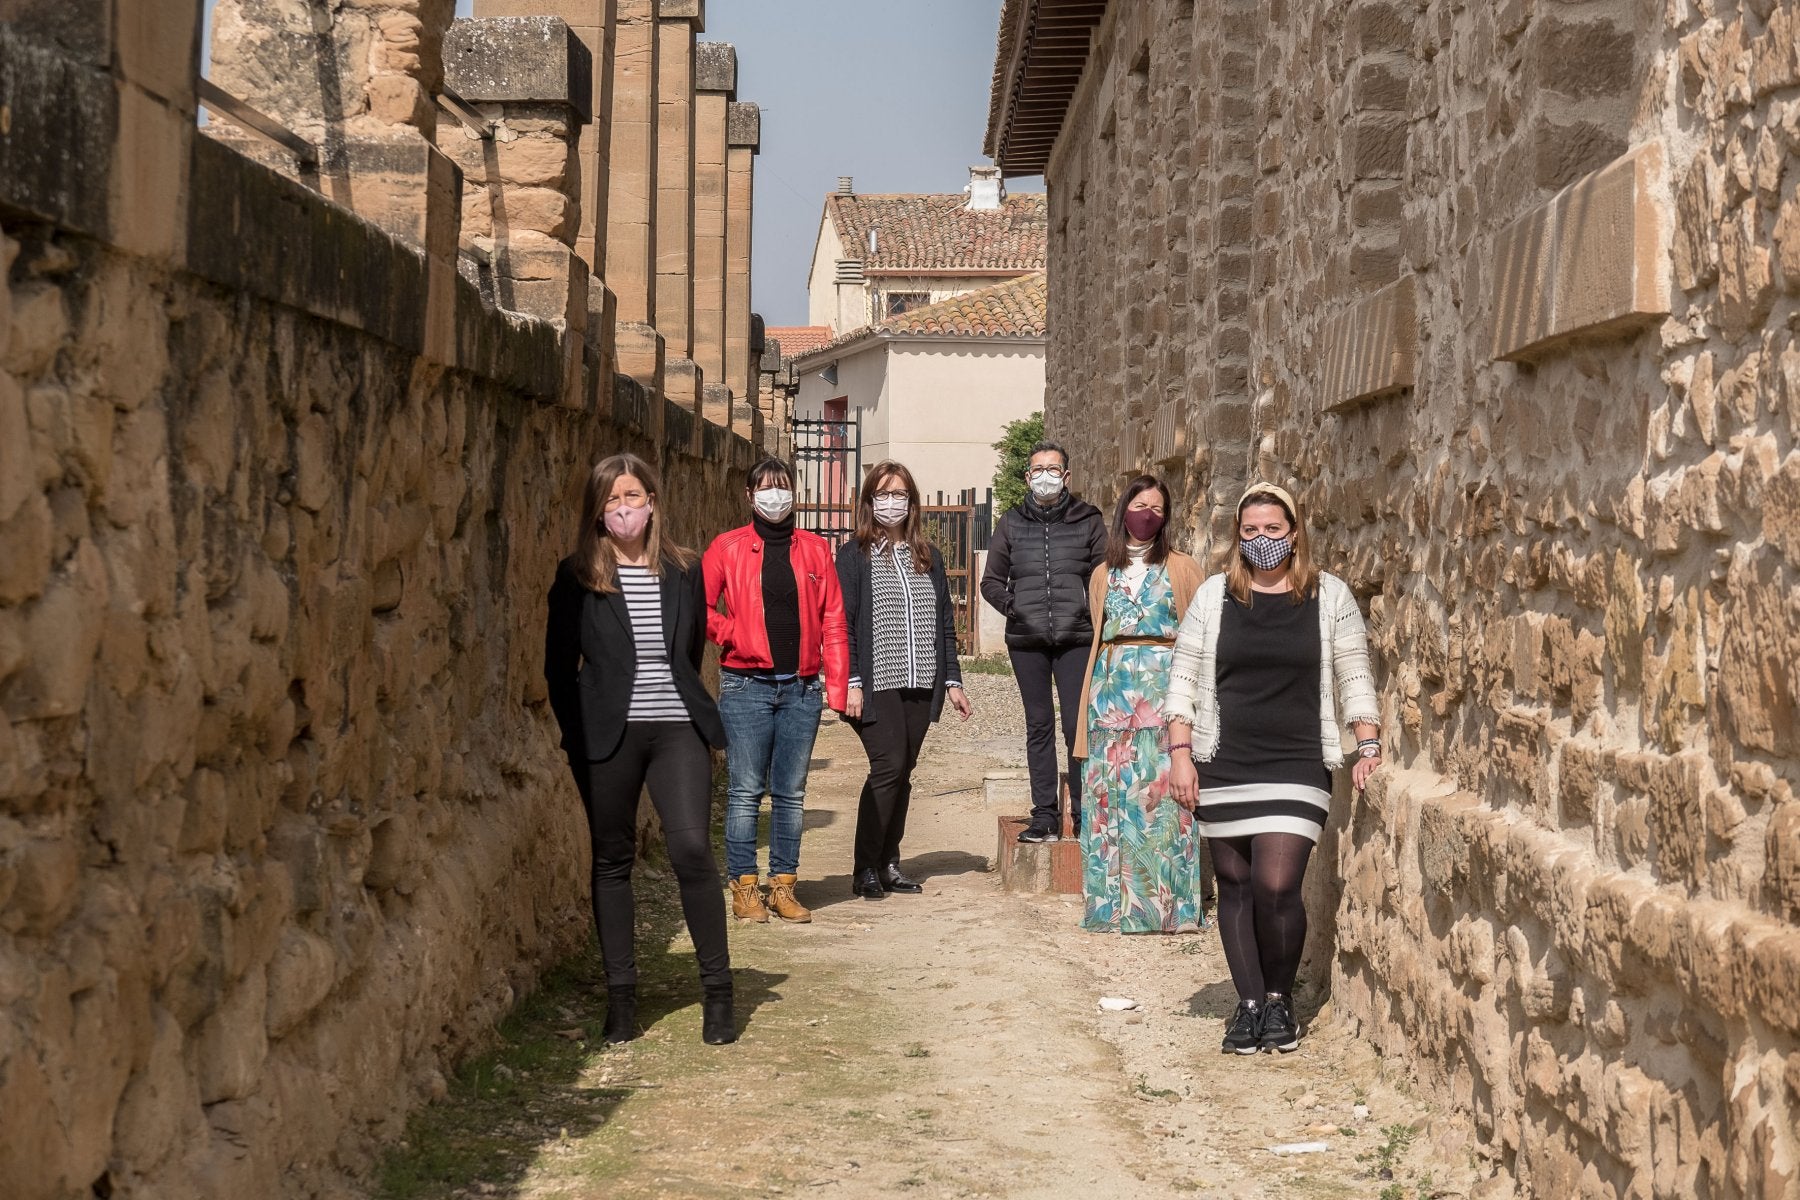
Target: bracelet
1174	746
1361	742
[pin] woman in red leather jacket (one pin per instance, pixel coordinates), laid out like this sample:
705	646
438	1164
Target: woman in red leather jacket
776	611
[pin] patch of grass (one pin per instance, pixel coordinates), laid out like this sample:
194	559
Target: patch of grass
1142	1088
1384	1158
915	1050
473	1135
986	666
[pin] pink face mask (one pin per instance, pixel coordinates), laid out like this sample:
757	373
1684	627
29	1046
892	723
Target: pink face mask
626	522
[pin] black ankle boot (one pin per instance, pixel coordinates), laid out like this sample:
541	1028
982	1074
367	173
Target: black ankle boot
621	1015
717	1028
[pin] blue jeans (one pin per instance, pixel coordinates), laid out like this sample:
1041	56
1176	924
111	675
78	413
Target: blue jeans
771	725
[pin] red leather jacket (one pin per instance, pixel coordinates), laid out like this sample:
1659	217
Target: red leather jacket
733	566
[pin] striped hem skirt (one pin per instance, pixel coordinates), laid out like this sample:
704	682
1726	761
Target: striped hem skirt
1247	809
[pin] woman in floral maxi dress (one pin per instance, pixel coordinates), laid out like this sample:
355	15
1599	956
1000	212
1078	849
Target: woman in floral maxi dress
1140	850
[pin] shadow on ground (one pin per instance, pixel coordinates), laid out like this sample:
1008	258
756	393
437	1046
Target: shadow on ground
832	890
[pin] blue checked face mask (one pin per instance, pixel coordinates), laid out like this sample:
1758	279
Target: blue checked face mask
1266	553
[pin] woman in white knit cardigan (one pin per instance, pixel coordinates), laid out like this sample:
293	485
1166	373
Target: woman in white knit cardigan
1270	661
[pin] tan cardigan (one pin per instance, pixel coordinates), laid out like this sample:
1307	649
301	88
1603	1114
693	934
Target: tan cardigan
1184	574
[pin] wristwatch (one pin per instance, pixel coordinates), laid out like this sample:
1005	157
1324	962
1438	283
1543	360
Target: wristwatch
1369	749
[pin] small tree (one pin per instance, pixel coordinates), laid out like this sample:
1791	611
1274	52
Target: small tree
1015	455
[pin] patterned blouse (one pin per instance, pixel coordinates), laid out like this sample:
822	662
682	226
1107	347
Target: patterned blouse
905	621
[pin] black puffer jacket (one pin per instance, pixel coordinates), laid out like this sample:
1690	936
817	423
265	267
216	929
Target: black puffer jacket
1037	572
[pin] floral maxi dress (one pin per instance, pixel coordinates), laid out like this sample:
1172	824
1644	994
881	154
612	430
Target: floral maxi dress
1140	850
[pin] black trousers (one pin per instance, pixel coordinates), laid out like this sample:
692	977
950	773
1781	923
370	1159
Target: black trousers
892	731
1037	671
671	758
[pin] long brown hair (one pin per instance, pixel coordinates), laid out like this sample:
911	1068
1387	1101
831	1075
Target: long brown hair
595	564
870	532
1303	577
1118	541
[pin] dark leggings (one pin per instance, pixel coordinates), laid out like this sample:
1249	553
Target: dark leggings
672	759
892	730
1262	918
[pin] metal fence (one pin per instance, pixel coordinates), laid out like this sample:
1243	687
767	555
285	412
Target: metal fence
827	470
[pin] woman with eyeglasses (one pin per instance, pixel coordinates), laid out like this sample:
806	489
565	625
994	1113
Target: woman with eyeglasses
1140	852
622	651
1040	559
774	607
903	665
1271	661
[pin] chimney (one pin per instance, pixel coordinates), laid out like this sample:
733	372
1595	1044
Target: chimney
986	189
844	188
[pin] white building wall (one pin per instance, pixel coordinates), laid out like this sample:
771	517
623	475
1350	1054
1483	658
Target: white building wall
821	286
862	378
950	402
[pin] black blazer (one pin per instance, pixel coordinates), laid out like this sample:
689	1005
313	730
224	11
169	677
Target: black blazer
590	658
853	568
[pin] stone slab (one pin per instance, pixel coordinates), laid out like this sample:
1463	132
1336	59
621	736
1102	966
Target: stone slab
56	144
520	59
715	67
743	125
683	10
1371	348
1592	260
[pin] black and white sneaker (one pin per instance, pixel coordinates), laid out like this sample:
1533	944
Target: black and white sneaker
1038	833
1279	1030
1243	1033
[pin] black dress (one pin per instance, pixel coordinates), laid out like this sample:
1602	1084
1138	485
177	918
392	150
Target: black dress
1268	774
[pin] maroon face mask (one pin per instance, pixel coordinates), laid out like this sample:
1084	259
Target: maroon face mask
1143	523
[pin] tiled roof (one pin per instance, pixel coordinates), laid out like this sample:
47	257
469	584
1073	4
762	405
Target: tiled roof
1015	309
799	339
941	233
1011	309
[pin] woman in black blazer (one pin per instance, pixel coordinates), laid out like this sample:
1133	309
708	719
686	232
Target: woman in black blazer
902	663
622	657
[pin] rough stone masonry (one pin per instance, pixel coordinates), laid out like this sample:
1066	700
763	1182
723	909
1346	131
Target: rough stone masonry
288	454
1508	291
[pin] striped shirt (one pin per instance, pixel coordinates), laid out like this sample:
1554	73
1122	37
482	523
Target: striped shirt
653	694
905	621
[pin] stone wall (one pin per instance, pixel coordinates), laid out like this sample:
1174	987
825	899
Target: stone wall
284	827
1507	291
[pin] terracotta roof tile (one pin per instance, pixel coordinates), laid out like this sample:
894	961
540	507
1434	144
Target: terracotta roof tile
799	339
1015	308
1011	309
941	233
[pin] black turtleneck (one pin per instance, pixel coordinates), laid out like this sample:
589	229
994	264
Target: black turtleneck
781	596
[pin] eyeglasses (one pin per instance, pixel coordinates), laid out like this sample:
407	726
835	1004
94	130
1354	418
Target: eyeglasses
893	495
1045	473
613	502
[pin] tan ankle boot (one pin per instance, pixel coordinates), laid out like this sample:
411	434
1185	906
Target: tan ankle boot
781	899
746	899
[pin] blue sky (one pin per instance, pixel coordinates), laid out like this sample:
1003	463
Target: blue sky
893	92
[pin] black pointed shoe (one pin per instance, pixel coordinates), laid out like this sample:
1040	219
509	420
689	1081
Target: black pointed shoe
868	885
892	880
621	1015
717	1026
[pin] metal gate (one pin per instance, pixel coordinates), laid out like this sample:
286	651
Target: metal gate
953	529
828	470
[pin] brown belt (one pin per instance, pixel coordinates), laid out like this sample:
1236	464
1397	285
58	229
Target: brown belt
1137	641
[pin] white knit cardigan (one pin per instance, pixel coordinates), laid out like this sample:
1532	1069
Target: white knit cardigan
1343	657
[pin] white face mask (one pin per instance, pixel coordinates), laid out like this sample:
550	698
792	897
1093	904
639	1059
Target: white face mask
773	504
1045	485
890	511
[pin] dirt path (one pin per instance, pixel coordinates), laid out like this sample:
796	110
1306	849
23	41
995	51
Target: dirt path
948	1044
